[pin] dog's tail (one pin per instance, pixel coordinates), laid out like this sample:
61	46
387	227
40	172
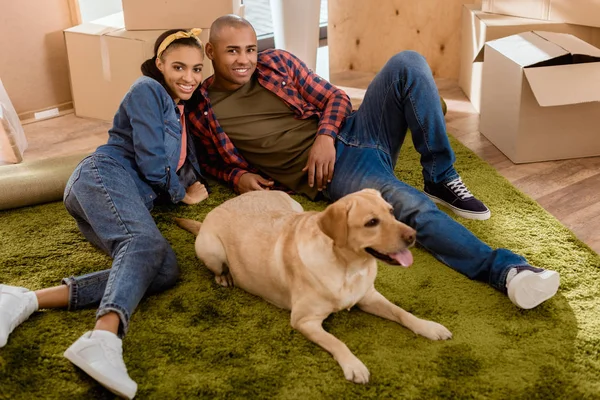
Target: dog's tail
189	225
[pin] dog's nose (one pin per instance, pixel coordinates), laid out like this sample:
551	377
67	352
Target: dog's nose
409	236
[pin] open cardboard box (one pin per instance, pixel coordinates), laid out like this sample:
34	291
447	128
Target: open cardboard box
541	96
581	12
105	60
479	27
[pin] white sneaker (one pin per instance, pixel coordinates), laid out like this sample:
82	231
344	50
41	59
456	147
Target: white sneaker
529	287
16	305
100	355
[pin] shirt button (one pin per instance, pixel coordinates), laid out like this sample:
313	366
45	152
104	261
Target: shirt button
283	83
205	112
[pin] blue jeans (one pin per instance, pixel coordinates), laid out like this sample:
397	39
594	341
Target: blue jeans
403	95
106	204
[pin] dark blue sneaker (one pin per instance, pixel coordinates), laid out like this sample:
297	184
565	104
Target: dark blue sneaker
527	286
458	198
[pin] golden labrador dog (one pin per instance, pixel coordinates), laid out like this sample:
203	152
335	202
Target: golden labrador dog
312	263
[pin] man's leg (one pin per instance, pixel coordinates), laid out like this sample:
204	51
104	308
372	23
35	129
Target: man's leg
358	167
404	96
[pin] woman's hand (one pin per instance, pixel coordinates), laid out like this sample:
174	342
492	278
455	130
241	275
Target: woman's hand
195	193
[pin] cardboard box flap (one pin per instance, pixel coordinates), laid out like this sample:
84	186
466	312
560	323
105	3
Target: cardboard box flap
101	26
570	43
143	36
565	84
499	23
479	55
116	20
527	48
91	29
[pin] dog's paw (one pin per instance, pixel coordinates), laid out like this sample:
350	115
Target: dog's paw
355	371
433	330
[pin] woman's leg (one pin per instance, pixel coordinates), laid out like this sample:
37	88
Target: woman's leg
17	304
105	202
109	212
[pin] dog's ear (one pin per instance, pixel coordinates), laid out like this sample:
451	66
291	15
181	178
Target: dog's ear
334	222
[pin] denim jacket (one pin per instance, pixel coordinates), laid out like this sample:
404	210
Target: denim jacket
146	140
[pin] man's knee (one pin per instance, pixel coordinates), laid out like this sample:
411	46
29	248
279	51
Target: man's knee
409	60
408	203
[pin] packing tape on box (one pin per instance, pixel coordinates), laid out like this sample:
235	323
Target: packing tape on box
35	182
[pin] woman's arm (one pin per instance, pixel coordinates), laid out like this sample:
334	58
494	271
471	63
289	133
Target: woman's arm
146	107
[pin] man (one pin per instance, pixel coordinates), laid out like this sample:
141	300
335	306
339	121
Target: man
266	121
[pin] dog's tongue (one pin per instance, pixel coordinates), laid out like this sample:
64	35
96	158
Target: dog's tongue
404	257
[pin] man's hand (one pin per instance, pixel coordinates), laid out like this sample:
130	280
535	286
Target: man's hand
249	182
195	193
321	161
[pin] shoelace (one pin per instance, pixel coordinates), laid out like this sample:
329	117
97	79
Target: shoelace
459	189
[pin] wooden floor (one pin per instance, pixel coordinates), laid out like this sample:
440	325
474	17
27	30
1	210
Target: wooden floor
569	189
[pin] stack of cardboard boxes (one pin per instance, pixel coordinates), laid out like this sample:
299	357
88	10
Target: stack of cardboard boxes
105	55
532	70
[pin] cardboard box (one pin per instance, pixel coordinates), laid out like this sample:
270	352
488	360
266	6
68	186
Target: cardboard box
12	137
581	12
541	96
177	14
105	60
479	27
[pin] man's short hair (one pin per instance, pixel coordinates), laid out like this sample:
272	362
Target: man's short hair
231	20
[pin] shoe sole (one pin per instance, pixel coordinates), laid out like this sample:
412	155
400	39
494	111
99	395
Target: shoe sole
101	379
529	289
477	215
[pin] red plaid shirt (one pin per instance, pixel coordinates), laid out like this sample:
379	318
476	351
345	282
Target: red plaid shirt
283	74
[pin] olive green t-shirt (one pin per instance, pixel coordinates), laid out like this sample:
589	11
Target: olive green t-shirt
267	134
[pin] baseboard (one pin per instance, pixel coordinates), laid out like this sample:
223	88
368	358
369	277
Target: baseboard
46	113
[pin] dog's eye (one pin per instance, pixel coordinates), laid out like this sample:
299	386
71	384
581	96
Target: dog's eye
392	211
371	223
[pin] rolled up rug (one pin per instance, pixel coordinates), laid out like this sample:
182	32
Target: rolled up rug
35	182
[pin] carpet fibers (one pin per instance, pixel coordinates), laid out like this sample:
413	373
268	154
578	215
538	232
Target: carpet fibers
200	340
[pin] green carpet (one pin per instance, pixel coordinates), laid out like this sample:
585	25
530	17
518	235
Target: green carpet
200	340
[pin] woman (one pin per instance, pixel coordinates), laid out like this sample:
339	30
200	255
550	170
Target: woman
149	156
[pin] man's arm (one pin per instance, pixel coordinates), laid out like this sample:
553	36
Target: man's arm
210	158
334	103
334	106
212	163
148	137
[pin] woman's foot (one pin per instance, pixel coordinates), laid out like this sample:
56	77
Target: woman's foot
16	305
100	354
